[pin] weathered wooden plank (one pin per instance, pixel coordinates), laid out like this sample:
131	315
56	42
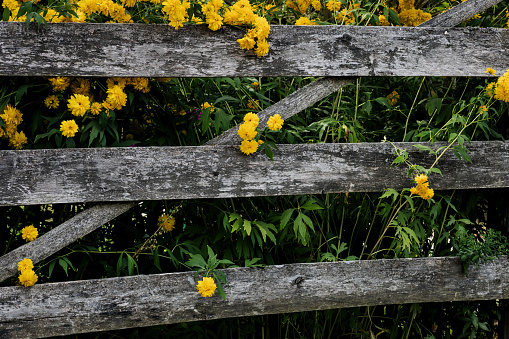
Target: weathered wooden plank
194	51
115	303
460	13
61	236
154	173
289	106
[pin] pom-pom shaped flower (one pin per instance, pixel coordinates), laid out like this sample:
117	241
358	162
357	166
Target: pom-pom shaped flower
422	189
249	147
206	287
167	221
78	104
247	131
17	139
69	128
502	89
27	278
275	122
52	101
29	233
252	118
304	21
59	83
25	264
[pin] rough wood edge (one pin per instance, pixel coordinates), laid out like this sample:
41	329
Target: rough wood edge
187	172
116	303
460	13
61	236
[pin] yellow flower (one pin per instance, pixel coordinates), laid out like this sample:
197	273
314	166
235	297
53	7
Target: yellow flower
206	105
116	97
490	89
483	109
52	101
247	131
78	104
246	43
29	233
167	221
140	84
249	147
17	140
176	12
393	98
491	71
115	81
69	128
421	179
59	83
428	194
382	20
11	116
304	21
253	104
206	287
275	122
81	86
256	85
25	264
502	89
252	118
96	108
27	278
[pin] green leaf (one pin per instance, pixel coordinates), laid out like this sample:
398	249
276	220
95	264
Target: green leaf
311	205
226	98
50	133
285	217
268	152
22	90
197	260
308	221
247	227
64	265
220	290
51	267
424	148
131	264
5	17
155	255
390	192
69	142
120	263
252	262
435	170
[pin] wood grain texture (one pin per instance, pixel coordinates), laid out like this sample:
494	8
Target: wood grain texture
83	49
460	13
155	173
115	303
61	236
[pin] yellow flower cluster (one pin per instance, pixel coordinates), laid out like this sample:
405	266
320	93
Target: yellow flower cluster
212	18
167	222
29	233
241	13
343	16
247	132
78	104
176	12
303	5
393	97
60	83
491	71
12	118
409	16
502	87
490	89
305	21
206	287
206	105
422	189
27	277
108	8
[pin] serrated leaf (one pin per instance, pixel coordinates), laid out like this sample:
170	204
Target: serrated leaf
197	260
307	220
247	227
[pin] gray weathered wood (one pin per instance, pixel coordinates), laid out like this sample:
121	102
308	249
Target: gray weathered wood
460	13
195	51
154	173
289	106
115	303
61	236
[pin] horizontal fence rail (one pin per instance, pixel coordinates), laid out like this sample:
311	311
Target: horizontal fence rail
116	303
155	173
83	49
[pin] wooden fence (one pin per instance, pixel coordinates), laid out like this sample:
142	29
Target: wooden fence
336	52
